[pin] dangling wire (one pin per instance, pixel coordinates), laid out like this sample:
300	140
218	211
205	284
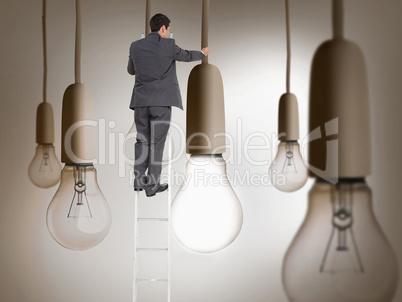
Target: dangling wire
78	41
147	17
337	18
44	51
205	27
288	48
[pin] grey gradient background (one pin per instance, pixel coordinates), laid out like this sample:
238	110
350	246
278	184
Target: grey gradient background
247	40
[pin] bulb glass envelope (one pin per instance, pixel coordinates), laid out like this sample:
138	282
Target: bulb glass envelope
340	252
288	171
78	216
45	168
206	213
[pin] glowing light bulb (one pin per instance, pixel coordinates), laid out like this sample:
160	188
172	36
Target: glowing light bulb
206	213
287	171
340	253
78	216
44	170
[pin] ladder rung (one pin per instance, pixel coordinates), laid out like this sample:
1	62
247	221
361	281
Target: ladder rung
152	249
151	280
152	219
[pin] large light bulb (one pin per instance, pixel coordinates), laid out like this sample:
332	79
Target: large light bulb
78	216
44	170
206	213
340	252
287	171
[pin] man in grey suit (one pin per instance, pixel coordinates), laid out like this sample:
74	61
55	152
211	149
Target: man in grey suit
153	62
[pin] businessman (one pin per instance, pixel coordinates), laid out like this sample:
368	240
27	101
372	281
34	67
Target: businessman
153	62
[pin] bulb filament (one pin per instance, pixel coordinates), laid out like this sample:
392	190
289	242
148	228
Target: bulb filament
342	223
79	205
289	165
45	165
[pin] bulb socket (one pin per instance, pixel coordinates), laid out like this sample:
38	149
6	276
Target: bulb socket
78	134
339	121
205	126
44	124
288	118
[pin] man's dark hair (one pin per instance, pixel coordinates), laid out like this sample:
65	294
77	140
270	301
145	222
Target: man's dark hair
158	21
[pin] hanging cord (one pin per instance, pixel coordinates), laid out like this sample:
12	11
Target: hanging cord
205	27
147	17
78	42
288	48
44	51
337	18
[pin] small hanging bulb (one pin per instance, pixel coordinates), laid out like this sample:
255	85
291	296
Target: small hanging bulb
44	170
287	171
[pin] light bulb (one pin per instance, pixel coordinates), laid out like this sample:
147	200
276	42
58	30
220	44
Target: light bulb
44	170
206	214
287	171
340	252
78	216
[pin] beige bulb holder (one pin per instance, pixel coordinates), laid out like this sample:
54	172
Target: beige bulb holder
78	125
339	96
205	111
44	124
288	118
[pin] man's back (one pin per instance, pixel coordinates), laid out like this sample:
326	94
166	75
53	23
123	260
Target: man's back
152	60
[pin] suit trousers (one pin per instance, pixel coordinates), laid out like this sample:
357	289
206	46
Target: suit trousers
152	125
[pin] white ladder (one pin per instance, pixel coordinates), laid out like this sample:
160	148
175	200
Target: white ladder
146	287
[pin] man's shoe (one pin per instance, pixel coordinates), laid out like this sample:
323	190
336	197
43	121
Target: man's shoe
139	183
151	191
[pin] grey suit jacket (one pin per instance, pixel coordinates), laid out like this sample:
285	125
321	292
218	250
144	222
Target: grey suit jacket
153	62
